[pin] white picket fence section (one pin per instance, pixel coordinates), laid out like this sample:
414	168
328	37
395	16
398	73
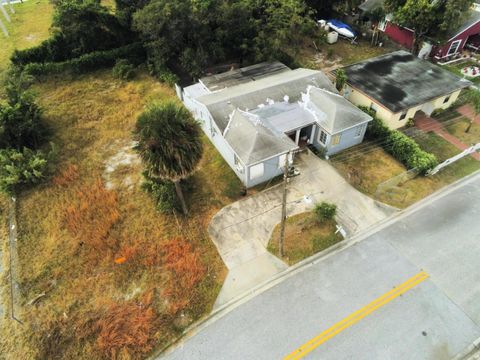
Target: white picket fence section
447	162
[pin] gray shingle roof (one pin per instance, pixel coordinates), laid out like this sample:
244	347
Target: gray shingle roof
472	18
249	95
284	117
340	113
400	81
252	141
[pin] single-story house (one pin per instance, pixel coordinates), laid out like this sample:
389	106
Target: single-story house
397	85
258	115
466	35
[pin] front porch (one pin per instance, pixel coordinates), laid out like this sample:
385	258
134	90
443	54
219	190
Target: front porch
303	136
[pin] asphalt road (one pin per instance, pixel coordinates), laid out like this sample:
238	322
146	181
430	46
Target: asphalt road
435	318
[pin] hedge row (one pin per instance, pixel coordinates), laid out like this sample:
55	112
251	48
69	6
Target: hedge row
400	146
50	50
134	53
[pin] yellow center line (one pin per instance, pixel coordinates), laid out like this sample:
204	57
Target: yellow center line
356	316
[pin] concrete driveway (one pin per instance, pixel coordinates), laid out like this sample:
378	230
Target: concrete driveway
241	231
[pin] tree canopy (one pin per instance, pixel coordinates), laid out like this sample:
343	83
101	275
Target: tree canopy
433	18
169	143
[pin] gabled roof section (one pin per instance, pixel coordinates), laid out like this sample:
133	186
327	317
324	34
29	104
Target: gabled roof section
252	141
400	81
243	75
471	19
339	113
274	88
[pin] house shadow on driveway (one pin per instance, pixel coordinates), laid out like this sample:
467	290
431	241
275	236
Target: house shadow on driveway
241	231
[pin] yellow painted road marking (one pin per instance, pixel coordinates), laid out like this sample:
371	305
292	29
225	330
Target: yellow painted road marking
356	316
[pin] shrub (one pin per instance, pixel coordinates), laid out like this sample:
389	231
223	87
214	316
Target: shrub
399	145
19	168
91	61
325	211
21	123
163	192
341	79
123	70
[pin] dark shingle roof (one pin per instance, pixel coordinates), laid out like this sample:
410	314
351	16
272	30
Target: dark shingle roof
400	80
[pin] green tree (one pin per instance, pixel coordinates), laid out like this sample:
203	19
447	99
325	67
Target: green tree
340	79
169	143
21	123
426	17
21	168
84	26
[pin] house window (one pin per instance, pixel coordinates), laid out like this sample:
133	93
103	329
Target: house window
454	47
256	171
336	139
359	131
322	137
403	116
374	107
447	99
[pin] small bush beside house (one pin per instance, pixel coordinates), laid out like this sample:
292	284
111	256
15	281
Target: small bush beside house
400	146
325	211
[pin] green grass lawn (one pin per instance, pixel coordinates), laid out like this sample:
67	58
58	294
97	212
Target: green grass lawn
30	26
304	236
367	170
456	69
458	128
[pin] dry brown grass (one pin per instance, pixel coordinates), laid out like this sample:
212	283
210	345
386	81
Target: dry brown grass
94	251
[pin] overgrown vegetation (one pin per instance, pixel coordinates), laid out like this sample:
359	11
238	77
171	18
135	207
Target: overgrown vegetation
118	276
325	211
305	235
399	145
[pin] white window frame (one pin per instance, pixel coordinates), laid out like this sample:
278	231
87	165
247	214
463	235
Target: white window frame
457	43
238	164
281	161
320	137
374	107
257	171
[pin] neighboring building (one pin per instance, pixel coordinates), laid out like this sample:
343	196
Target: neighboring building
467	35
397	85
257	115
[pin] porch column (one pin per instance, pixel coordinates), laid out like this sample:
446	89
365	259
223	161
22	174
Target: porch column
297	137
312	135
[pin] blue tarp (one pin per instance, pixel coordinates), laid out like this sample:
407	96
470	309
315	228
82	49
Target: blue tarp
341	25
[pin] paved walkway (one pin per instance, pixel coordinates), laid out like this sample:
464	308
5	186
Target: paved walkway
241	231
426	123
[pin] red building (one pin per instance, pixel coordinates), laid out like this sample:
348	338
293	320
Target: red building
467	35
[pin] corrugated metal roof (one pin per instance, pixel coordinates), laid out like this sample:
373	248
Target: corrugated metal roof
243	75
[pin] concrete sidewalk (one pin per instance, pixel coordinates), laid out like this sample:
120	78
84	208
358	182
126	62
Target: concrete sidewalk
242	230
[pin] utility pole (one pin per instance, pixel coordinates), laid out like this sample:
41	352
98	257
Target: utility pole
284	206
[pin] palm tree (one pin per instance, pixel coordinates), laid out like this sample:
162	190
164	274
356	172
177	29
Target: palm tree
169	143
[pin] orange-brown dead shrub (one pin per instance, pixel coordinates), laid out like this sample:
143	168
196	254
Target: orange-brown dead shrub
127	328
92	216
66	176
187	270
